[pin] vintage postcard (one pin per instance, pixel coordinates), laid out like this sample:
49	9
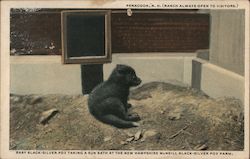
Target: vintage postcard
124	79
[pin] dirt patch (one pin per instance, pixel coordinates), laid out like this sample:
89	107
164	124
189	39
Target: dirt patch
173	118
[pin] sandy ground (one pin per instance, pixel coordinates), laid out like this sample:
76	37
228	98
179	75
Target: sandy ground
173	118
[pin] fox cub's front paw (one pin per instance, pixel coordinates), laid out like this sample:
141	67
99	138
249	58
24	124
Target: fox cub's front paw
129	105
134	117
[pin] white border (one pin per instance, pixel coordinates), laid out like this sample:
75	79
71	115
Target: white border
5	69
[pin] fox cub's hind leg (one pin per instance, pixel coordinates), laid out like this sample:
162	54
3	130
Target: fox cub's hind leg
132	116
114	113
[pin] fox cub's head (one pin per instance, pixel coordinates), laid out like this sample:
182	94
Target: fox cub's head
125	75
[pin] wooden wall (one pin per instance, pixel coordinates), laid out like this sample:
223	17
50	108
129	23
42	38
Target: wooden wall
35	33
39	32
160	32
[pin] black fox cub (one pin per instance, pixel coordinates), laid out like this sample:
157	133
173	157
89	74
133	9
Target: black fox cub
108	100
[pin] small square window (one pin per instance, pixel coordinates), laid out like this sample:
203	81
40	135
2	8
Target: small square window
86	37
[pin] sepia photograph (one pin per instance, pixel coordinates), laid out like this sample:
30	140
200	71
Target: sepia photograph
162	79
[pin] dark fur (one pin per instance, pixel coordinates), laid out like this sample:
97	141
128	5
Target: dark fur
108	101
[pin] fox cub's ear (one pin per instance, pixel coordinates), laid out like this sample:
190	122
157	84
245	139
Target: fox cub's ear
121	68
